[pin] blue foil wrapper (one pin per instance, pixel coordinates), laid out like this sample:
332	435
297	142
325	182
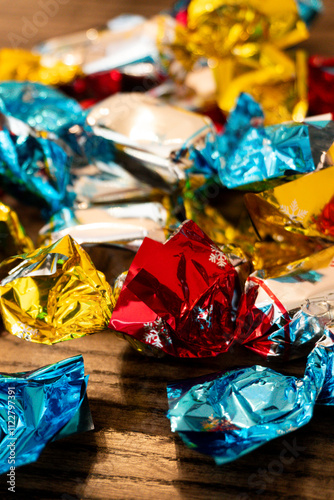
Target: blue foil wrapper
40	106
309	9
34	167
227	415
209	158
246	115
266	153
41	406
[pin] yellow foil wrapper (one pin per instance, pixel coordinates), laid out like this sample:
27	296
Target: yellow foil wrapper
22	65
243	42
54	294
303	207
274	78
314	261
233	227
13	239
275	259
225	26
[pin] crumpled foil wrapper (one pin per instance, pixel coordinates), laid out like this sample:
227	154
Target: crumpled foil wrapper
42	107
244	44
41	406
22	65
302	207
227	415
34	166
255	158
54	294
180	300
283	316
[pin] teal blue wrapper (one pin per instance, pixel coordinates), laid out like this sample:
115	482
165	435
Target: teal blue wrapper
40	406
34	168
227	415
309	9
251	153
40	106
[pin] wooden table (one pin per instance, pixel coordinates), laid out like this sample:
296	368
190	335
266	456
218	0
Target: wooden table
132	453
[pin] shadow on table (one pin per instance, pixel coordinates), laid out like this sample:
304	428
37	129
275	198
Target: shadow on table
60	472
291	465
297	465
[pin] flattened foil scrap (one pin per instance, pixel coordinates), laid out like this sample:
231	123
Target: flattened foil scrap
45	404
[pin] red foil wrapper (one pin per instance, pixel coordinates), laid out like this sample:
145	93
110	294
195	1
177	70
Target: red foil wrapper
284	316
177	296
321	83
93	88
325	221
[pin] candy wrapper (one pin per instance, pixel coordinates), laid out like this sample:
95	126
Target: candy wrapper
93	88
254	157
302	207
92	185
180	301
22	65
119	57
284	316
150	138
227	415
41	406
276	79
125	40
321	81
33	166
243	43
13	239
124	224
40	106
54	294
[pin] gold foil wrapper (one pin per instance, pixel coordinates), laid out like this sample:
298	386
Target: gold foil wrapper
22	65
296	207
297	216
222	226
244	43
275	79
54	294
319	259
274	259
13	239
234	25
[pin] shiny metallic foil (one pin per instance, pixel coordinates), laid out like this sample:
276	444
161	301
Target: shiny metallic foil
125	40
180	301
42	107
46	404
54	294
275	318
301	207
13	239
23	65
34	165
149	138
320	84
243	42
227	415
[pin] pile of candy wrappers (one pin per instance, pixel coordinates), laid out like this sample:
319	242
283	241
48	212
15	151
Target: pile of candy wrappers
200	140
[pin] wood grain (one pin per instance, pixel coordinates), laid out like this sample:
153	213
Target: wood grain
132	454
